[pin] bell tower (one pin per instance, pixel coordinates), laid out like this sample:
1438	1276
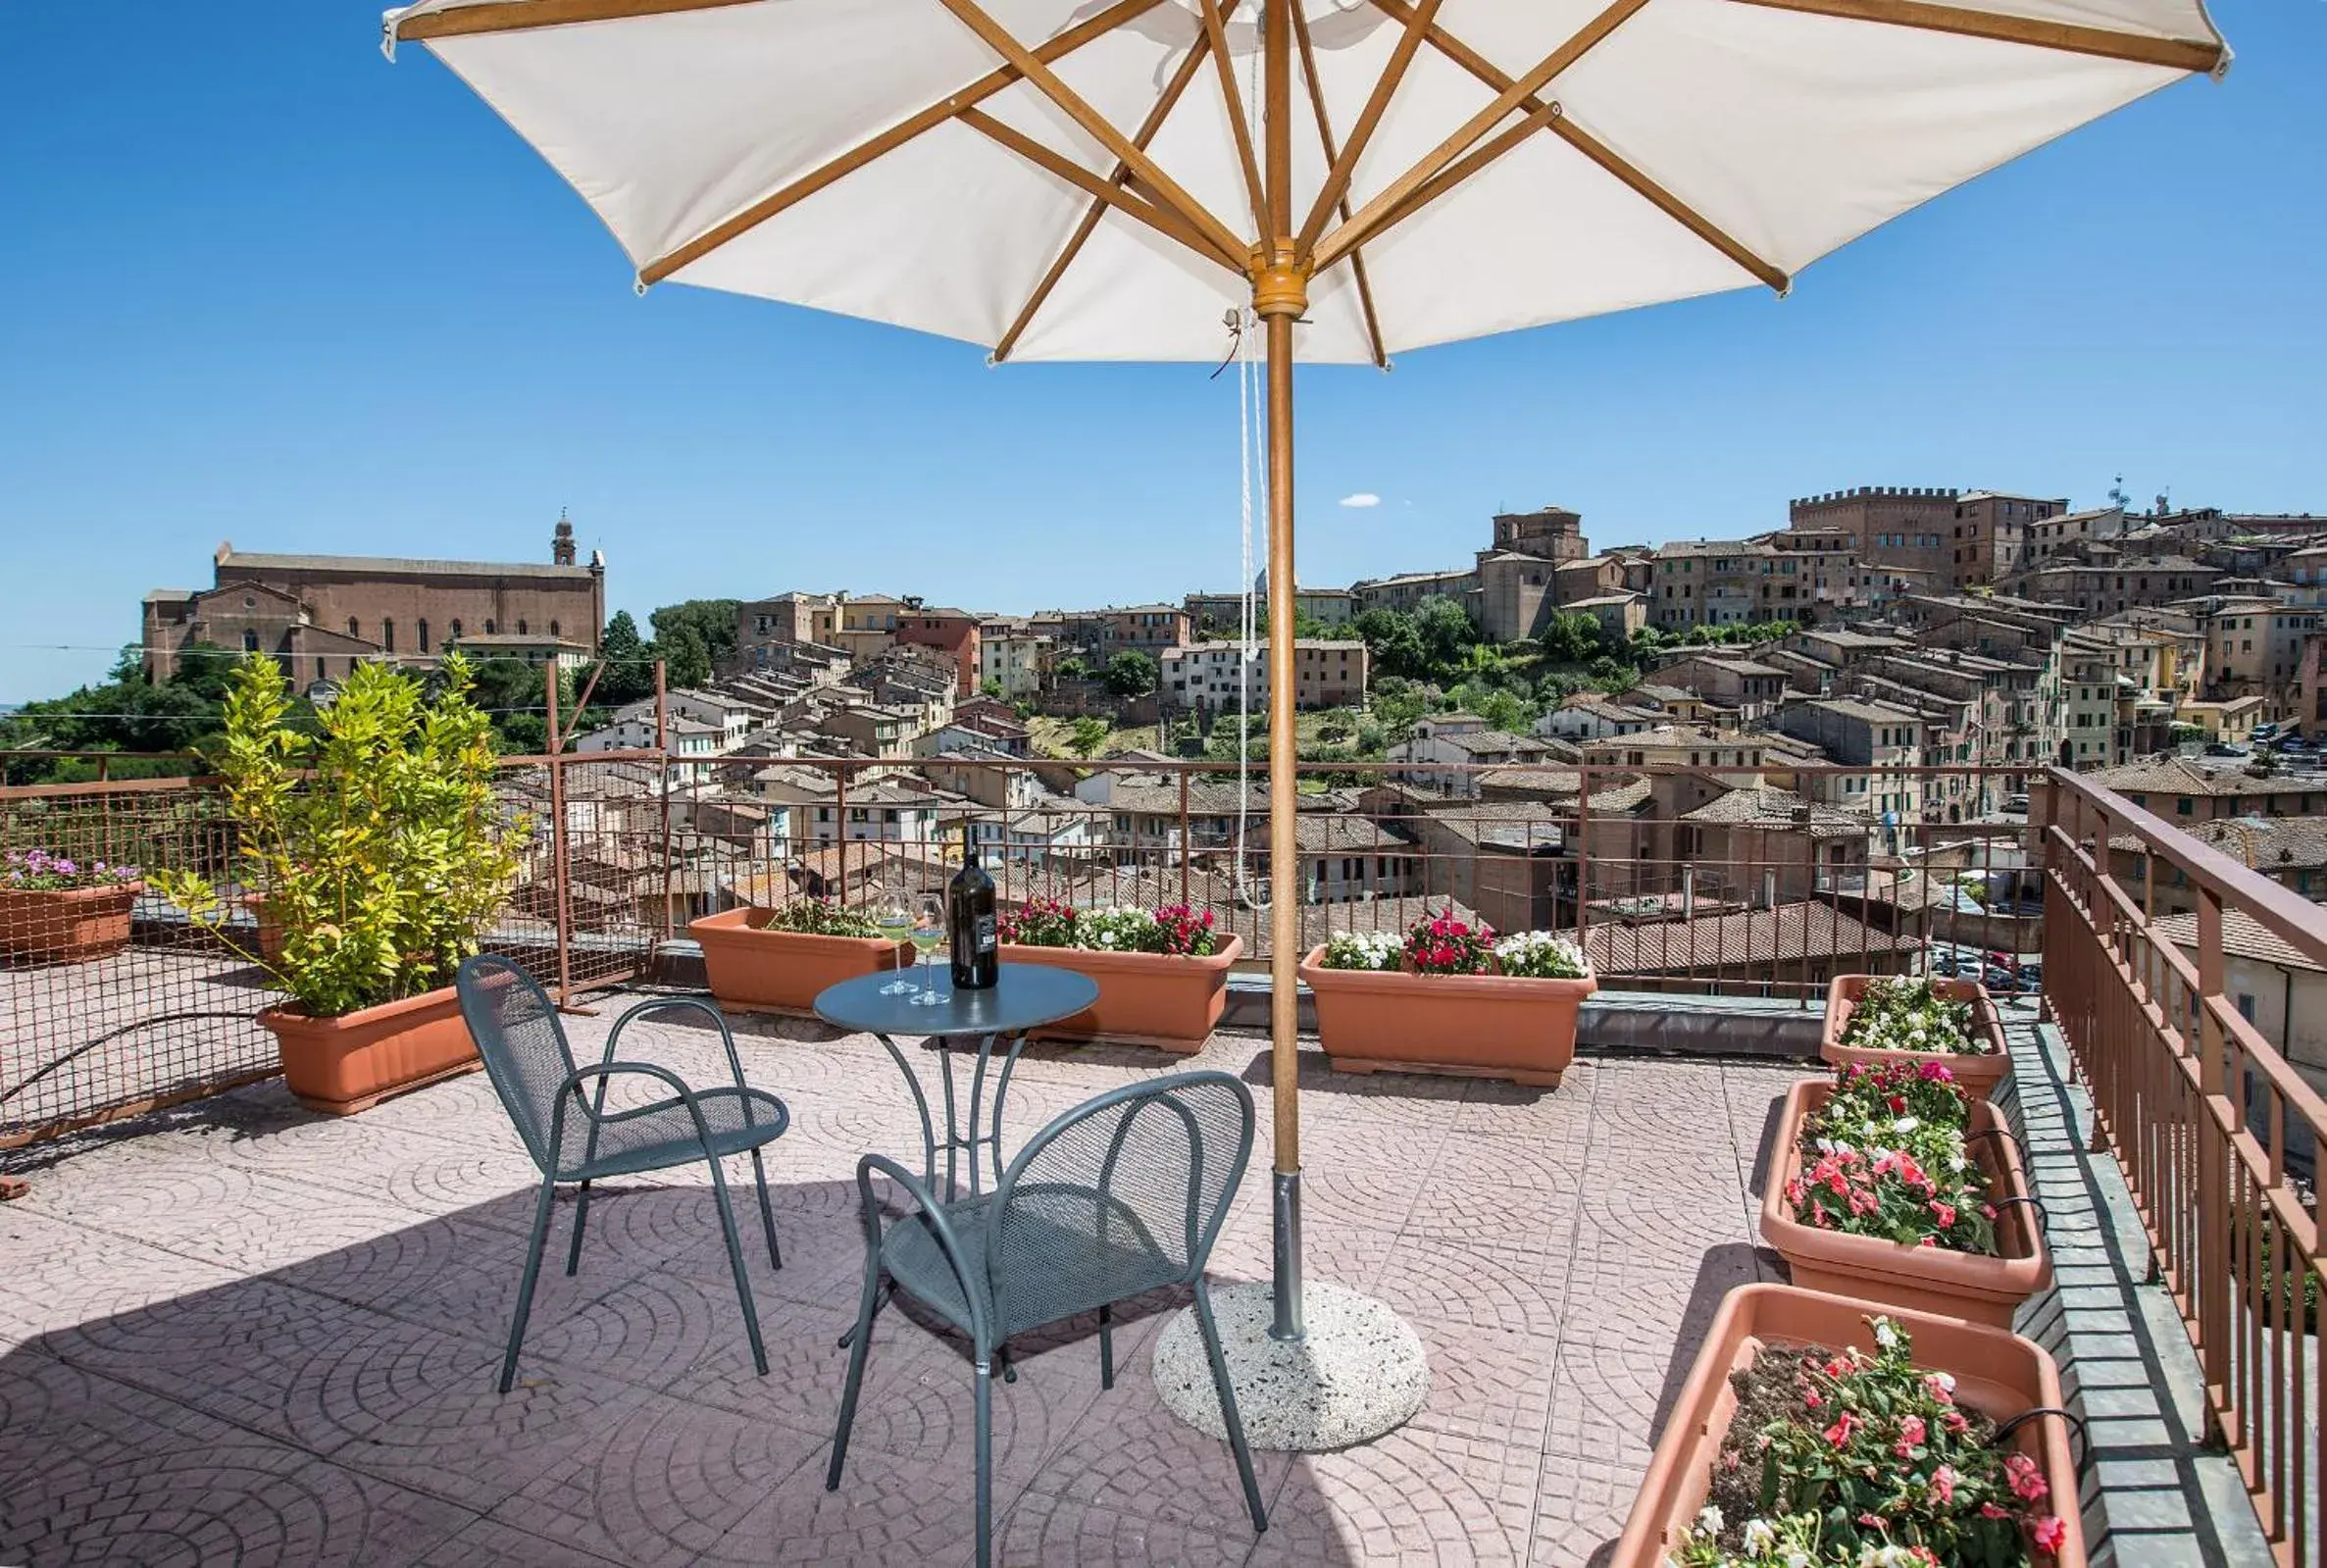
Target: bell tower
561	542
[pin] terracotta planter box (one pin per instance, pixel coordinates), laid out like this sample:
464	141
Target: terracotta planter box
754	970
1465	1026
1156	999
270	929
345	1065
68	924
1924	1278
1998	1374
1979	1075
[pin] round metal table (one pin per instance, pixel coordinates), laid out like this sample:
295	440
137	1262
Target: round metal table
1024	998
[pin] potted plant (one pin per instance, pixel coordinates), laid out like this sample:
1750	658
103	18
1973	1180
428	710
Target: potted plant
1876	1019
1811	1432
385	854
55	909
1448	998
762	960
1895	1184
1162	972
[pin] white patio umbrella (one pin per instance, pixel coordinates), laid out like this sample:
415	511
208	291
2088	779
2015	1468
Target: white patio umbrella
1080	179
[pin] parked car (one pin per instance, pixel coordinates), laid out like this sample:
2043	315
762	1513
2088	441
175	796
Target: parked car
2222	748
2015	805
1998	980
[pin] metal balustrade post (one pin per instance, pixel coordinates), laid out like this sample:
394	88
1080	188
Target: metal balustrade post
2211	1287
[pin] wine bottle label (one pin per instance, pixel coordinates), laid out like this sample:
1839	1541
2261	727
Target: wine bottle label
985	933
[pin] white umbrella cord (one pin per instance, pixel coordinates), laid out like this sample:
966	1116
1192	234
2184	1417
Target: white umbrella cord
1247	396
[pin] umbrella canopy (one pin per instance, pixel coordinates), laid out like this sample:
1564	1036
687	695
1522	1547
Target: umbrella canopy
1104	178
939	164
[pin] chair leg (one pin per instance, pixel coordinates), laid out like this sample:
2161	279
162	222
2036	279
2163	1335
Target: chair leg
1106	1347
984	1464
859	1340
580	1213
1228	1405
726	1224
759	1174
525	1291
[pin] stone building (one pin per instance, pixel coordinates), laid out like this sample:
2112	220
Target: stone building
321	615
1888	525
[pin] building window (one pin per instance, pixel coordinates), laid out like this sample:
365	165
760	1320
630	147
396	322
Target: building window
489	626
250	642
456	628
354	628
318	667
521	627
553	629
387	635
424	635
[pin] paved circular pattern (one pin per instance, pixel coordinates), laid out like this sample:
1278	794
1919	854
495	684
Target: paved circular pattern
1359	1373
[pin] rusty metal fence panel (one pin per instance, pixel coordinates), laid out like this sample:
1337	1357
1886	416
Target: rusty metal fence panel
167	1015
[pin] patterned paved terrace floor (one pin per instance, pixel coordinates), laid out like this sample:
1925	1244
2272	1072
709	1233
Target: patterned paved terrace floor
249	1334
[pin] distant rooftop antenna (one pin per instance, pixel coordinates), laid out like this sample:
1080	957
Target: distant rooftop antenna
2117	496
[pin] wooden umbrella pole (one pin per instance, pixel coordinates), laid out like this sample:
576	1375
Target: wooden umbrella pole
1280	294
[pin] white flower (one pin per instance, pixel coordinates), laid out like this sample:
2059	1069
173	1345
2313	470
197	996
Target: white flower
1884	1334
1760	1537
1798	1559
1905	1123
1709	1521
1946	1380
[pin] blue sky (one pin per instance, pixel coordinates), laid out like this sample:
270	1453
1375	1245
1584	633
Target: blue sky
260	284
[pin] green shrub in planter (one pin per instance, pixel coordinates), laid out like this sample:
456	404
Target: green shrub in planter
380	843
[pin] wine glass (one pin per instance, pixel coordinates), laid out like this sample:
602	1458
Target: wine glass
929	934
897	924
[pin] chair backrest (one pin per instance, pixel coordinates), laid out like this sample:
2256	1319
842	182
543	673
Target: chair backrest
523	1046
1118	1196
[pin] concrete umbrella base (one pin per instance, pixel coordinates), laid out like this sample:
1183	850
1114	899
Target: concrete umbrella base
1359	1372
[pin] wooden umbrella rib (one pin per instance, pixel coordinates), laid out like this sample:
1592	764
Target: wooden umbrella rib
1163	220
1361	134
1666	202
1469	163
1216	28
1370	218
518	16
2171	54
1169	100
887	141
1325	138
1480	67
1044	81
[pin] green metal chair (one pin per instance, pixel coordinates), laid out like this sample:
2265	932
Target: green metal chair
1121	1195
533	1069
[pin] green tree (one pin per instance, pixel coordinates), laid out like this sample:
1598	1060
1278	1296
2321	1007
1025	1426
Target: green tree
1131	674
1087	735
1447	634
1394	644
1069	668
1572	638
685	656
713	622
626	664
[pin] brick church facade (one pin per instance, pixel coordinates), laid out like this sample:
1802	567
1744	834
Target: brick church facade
322	615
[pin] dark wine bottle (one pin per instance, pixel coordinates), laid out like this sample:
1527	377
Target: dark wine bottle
970	922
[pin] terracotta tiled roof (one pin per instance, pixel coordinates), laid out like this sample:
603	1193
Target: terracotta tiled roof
2241	934
1786	933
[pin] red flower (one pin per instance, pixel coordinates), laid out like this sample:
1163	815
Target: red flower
1912	1432
1840	1433
2050	1532
2027	1485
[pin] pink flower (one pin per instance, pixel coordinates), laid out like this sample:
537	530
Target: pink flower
1840	1433
2050	1532
1911	1431
1943	1212
1938	1388
1813	1399
1989	1510
1943	1484
2027	1485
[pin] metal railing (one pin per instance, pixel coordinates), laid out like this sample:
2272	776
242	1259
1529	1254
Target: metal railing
1666	887
2214	1125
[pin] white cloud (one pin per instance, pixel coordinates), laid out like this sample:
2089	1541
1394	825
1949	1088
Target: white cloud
1362	498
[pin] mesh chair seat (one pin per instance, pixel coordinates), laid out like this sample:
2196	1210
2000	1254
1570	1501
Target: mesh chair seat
656	1137
1066	1251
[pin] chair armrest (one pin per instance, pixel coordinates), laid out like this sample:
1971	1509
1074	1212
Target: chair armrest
572	1087
973	1288
656	1004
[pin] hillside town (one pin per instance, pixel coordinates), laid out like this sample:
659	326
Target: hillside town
1671	735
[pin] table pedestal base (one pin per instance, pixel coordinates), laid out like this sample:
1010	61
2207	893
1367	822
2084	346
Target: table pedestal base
1357	1373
